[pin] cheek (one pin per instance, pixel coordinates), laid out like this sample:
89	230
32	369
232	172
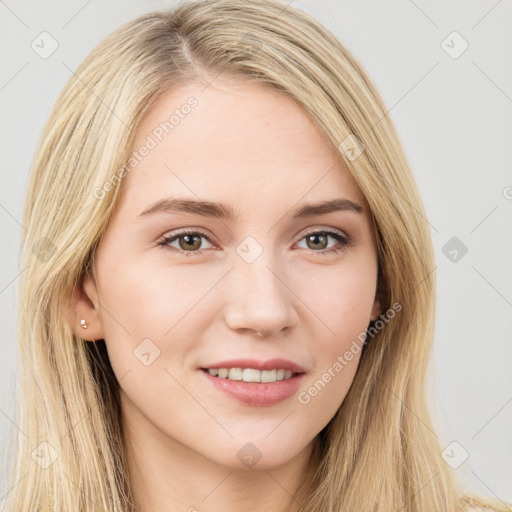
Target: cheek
341	303
147	297
152	313
341	298
171	307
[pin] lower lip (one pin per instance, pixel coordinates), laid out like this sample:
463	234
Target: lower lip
255	393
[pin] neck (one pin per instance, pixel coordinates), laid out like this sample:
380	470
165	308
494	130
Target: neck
165	475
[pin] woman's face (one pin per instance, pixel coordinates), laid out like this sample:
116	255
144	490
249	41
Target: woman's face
168	309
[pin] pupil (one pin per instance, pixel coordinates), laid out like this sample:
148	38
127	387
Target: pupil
312	237
187	239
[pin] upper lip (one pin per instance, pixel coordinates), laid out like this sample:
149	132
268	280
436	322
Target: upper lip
269	364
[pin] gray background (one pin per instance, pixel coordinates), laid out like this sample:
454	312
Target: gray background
453	115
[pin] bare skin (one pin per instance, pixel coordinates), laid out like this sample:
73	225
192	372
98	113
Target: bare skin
256	151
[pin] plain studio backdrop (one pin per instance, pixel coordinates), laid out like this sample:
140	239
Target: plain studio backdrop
444	71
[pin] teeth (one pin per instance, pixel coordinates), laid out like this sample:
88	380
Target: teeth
250	374
235	374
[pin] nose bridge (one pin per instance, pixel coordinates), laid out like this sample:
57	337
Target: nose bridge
259	299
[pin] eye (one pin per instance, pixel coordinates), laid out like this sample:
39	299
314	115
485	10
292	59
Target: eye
188	242
319	240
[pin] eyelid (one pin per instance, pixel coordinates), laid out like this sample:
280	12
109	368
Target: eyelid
186	231
304	232
314	229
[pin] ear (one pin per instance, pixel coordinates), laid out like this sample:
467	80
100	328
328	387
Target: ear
84	305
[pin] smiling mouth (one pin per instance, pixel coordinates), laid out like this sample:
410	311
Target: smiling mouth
250	374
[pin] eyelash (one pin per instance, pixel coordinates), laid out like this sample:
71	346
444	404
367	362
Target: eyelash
344	242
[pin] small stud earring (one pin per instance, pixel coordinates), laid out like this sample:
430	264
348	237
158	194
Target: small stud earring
83	323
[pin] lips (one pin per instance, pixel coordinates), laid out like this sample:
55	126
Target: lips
256	394
269	364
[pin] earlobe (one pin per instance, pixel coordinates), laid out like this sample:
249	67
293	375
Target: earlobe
83	313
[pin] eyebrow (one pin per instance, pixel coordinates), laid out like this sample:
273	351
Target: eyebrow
223	211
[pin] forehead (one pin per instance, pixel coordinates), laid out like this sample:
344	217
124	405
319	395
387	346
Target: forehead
235	142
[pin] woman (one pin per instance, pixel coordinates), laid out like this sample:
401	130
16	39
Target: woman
182	347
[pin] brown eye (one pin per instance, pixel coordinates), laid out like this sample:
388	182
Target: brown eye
189	242
318	241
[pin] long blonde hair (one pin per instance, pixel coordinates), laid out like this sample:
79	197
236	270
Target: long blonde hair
379	452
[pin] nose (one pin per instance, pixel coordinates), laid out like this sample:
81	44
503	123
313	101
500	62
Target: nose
260	300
